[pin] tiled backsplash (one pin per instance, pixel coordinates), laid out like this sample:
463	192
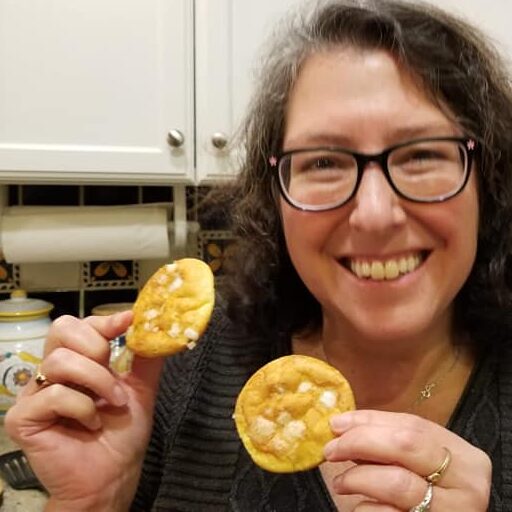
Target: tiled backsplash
76	288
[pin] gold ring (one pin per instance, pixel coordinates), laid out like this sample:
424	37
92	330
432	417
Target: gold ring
41	379
434	477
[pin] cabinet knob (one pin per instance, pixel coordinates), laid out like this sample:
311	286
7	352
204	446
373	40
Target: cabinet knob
219	140
175	138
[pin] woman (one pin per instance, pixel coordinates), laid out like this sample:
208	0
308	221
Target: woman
373	212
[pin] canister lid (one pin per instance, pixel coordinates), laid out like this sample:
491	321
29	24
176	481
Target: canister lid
111	308
23	307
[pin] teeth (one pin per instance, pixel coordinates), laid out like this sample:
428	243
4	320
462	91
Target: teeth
377	271
385	270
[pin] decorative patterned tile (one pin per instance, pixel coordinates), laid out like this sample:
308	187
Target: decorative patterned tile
50	276
213	248
9	276
110	274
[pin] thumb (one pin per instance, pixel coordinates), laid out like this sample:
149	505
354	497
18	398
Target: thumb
147	370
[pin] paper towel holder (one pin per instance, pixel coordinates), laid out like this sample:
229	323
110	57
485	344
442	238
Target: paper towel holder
180	220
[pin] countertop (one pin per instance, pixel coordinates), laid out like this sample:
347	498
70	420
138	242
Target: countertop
29	500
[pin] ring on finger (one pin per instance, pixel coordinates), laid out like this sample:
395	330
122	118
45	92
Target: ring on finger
424	506
434	477
41	379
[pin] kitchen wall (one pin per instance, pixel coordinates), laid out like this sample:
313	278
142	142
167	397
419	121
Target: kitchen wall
76	288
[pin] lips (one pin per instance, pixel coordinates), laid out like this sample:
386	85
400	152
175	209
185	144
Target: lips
384	268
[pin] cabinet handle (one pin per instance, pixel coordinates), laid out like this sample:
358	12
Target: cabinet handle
175	138
219	140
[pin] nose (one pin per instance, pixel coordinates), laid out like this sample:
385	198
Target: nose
376	208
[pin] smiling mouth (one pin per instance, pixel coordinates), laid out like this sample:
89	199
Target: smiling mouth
384	269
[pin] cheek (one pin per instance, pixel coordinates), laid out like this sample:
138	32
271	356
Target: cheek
456	222
306	230
470	216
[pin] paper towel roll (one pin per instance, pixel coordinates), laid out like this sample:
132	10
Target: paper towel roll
84	233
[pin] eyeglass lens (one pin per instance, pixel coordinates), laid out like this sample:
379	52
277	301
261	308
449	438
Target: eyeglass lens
424	170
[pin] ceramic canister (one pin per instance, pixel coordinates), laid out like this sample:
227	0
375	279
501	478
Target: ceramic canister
24	323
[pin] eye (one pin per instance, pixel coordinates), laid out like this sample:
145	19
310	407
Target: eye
316	161
426	154
323	163
424	157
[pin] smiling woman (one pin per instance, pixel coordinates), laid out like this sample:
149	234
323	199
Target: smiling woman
373	213
371	224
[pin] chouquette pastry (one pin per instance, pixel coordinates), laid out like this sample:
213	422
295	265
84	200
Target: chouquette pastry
173	309
282	413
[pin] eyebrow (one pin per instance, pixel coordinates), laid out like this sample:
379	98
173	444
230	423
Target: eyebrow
397	135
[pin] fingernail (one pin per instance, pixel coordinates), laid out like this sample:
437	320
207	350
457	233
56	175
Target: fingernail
119	318
329	449
340	422
120	396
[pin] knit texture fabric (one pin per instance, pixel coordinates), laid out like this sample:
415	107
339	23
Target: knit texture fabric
195	461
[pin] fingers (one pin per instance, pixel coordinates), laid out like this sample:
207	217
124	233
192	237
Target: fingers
88	337
394	453
402	490
73	348
390	438
49	406
147	371
63	366
368	506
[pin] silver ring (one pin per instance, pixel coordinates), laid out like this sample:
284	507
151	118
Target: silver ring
427	499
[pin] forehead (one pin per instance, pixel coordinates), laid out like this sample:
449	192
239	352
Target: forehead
349	92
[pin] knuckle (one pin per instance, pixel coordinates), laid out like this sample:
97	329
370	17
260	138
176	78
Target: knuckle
64	322
408	440
486	464
55	391
401	481
57	357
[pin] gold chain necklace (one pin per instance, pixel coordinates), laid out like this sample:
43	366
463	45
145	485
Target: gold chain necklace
427	390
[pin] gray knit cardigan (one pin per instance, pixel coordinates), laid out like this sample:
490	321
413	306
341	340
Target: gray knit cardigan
196	463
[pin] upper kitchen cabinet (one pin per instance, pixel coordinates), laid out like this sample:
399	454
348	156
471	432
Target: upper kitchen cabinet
228	40
126	91
96	91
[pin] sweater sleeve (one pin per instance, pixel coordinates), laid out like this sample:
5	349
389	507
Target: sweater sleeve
171	396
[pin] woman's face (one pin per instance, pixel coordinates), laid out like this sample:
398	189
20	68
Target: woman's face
362	100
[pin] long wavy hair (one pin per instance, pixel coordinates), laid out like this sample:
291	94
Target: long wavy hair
459	69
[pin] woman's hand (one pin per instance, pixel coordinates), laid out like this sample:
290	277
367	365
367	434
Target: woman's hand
394	453
85	430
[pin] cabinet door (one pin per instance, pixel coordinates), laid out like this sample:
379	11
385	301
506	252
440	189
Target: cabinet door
229	36
90	89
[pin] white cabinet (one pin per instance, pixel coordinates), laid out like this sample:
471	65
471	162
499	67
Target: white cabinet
91	89
229	36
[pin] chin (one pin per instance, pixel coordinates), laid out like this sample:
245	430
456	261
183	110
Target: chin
384	330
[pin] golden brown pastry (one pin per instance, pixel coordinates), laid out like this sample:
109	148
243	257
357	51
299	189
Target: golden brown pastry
173	309
282	413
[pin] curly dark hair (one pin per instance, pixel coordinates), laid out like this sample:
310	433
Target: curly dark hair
459	69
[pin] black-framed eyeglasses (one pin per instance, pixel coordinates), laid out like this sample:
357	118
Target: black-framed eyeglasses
425	170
